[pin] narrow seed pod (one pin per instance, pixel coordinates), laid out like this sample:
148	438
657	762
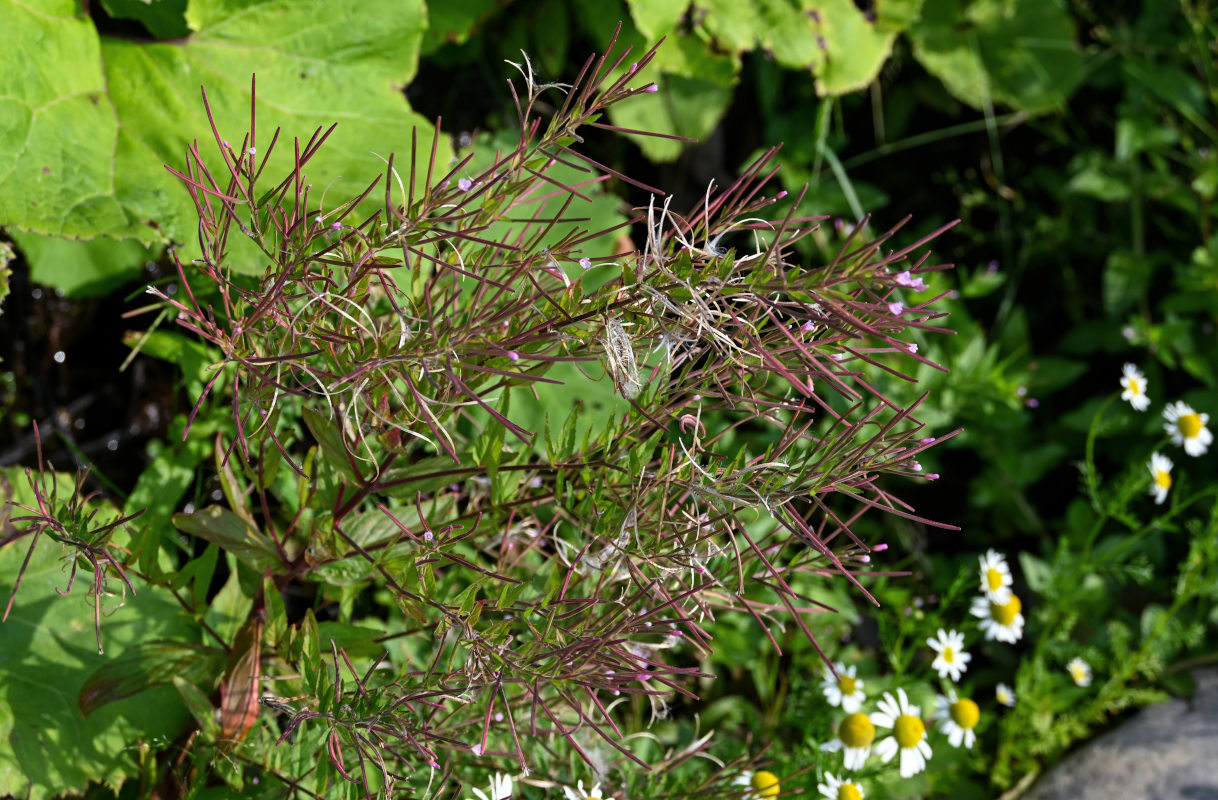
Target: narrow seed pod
619	353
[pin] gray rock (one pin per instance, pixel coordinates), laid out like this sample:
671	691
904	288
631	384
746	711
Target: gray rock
1165	752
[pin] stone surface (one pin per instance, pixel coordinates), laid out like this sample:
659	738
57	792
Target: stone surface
1166	752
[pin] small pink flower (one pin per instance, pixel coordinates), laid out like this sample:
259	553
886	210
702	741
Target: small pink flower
586	263
908	281
896	309
465	184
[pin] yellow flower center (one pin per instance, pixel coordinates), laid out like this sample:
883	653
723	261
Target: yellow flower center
965	713
1163	478
1135	387
909	730
1078	672
1005	613
1189	425
766	784
847	684
848	791
993	579
856	731
949	655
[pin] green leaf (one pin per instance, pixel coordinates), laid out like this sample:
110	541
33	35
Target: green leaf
190	355
84	144
171	470
855	48
164	19
330	438
1036	572
594	395
1018	52
276	614
981	282
1126	280
83	269
683	106
7	256
452	22
656	18
233	535
47	653
306	646
147	666
200	707
358	641
1175	87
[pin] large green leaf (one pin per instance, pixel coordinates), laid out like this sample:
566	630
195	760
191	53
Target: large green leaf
84	269
856	44
47	653
83	144
1017	52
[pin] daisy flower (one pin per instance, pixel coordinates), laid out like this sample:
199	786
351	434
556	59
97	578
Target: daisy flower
501	788
836	789
760	784
1001	621
957	717
995	576
1080	671
1134	384
908	734
579	794
854	737
1160	474
1005	694
1187	428
951	658
845	691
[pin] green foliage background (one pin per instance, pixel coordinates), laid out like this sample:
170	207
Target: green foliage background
1075	140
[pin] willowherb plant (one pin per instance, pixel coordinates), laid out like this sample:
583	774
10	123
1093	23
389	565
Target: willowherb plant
536	588
83	529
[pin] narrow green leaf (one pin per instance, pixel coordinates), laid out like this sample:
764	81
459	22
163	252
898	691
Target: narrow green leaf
233	534
330	438
146	666
276	629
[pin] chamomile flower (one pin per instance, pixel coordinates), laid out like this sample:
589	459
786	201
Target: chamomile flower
854	737
845	691
836	789
760	784
951	658
1187	428
501	788
1001	621
957	717
579	793
1160	476
908	733
1080	671
995	576
1134	384
1005	694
